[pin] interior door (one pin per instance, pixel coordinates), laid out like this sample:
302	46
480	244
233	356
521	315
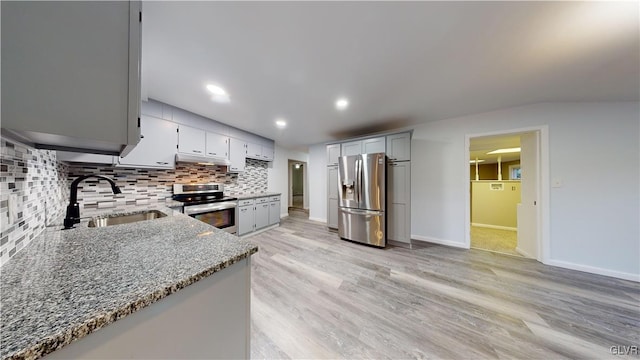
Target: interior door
528	210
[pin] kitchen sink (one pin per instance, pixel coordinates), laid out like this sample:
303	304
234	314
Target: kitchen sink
109	220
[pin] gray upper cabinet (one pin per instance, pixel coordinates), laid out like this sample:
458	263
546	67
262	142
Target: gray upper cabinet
399	147
71	75
333	153
191	140
217	145
157	147
237	155
254	151
351	148
375	145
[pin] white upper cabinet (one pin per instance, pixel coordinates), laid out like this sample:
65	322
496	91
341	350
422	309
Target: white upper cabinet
191	140
351	148
237	155
71	74
333	153
254	151
217	145
399	147
157	146
157	109
375	145
268	153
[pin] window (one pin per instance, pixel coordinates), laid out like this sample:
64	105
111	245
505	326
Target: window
514	172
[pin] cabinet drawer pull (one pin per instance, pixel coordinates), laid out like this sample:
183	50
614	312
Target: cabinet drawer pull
162	163
197	151
213	153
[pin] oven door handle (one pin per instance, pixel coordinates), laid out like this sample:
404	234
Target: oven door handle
197	209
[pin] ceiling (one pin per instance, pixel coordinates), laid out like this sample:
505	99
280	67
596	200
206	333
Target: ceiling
398	63
480	146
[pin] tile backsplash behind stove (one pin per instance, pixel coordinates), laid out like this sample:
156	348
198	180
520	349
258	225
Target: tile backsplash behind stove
147	186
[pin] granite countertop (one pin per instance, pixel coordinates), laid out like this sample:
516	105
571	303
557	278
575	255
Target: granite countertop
69	283
253	196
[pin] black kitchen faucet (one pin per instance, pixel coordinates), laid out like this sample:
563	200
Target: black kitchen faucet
73	209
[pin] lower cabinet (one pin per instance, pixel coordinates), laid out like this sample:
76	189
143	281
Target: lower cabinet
258	213
274	210
246	218
262	213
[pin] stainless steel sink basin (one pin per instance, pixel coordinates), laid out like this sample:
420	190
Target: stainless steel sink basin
125	218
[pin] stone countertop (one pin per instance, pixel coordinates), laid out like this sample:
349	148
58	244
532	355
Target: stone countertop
253	196
69	283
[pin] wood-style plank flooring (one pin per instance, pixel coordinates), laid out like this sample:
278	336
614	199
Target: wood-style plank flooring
315	296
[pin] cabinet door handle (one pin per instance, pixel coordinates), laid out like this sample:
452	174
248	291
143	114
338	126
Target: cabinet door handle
197	151
162	163
213	153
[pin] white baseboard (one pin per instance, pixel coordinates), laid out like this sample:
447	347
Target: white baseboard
318	219
524	253
498	227
594	270
438	241
284	215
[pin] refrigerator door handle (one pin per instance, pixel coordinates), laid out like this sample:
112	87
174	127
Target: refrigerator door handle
362	212
358	188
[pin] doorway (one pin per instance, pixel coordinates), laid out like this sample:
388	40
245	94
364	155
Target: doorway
507	172
297	185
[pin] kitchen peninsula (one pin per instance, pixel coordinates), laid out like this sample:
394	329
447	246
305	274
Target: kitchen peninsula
70	283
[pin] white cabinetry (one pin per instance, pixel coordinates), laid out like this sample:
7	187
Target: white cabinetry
351	148
254	151
246	217
399	201
399	147
237	155
157	146
217	145
71	74
157	110
191	140
274	210
375	145
262	213
268	153
333	153
332	198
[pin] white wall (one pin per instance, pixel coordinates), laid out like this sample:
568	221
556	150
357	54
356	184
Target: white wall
593	148
318	182
278	175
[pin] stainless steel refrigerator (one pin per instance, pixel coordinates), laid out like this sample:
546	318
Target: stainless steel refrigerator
361	198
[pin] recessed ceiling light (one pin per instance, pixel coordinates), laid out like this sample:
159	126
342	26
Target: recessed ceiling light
342	104
281	123
219	94
504	151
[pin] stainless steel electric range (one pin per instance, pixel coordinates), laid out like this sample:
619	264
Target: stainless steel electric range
207	203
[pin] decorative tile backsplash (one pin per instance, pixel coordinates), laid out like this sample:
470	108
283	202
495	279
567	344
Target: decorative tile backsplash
34	189
148	186
33	192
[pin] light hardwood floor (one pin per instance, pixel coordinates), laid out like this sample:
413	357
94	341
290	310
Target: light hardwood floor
316	296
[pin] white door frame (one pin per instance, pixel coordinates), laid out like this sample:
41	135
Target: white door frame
544	242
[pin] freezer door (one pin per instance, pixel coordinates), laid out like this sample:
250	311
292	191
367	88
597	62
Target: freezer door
348	181
363	226
372	182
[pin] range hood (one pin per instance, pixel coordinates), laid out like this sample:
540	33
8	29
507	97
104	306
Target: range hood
202	160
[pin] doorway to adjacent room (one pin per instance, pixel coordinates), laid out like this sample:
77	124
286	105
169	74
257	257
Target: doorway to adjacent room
297	185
